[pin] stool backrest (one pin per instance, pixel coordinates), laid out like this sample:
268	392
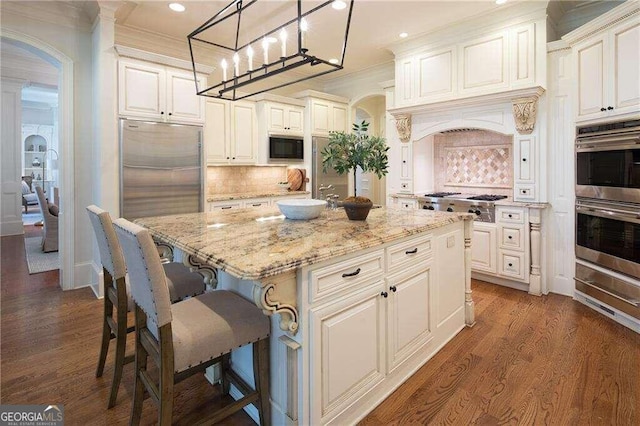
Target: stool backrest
108	244
147	279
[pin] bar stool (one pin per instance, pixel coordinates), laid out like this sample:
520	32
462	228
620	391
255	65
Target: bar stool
181	283
186	337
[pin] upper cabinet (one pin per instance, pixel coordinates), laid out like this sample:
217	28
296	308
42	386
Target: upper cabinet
607	65
284	119
500	61
150	91
230	132
325	112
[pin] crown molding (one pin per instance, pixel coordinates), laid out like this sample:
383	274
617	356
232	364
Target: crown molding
558	45
604	21
269	97
134	53
320	95
494	98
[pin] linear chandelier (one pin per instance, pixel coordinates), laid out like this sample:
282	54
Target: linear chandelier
266	44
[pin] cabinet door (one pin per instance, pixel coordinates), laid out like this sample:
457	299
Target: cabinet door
320	113
625	42
524	147
339	118
296	119
590	58
276	116
483	248
347	352
408	326
183	105
141	90
436	74
243	132
216	131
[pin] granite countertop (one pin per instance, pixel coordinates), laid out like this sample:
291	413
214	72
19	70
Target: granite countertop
257	243
245	195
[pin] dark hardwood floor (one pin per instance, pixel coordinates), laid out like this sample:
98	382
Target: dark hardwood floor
528	360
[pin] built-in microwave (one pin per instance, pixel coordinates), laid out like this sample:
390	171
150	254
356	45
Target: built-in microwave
286	147
608	161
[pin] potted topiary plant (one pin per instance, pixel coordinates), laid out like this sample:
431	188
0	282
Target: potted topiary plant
348	151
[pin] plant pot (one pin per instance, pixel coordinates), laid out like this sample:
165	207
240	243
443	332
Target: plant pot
357	210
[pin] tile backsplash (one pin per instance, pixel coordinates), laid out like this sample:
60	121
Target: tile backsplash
474	161
242	179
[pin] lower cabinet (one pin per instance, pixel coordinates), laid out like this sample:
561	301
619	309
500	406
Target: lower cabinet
484	248
250	202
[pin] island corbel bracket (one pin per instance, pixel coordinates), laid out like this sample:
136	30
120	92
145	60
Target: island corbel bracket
209	273
277	295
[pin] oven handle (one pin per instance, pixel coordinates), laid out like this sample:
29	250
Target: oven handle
608	213
634	303
608	142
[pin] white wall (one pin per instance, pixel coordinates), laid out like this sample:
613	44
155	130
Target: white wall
64	27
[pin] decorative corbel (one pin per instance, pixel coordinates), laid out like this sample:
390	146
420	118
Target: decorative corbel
403	125
524	113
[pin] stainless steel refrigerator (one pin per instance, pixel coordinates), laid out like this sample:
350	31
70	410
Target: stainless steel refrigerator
161	169
318	177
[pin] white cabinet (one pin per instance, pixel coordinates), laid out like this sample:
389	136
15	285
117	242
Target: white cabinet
327	116
404	202
607	64
250	202
284	119
230	132
484	248
151	91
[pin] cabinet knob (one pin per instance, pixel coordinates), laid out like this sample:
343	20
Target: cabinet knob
524	159
393	288
404	161
384	294
227	158
511	264
170	114
510	237
161	112
233	158
603	109
510	215
610	108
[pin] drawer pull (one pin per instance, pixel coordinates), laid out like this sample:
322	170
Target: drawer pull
225	208
259	204
351	274
393	288
384	294
590	284
414	251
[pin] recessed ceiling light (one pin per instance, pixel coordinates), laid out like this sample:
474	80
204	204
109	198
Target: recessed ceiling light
338	5
333	61
176	7
403	35
501	1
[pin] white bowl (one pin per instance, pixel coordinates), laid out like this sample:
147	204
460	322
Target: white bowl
301	208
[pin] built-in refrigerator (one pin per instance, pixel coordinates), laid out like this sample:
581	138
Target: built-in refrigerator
161	169
331	177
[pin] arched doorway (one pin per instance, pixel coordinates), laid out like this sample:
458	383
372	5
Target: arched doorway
65	131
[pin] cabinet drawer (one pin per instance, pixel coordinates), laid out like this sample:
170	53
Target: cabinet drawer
334	279
510	215
512	237
511	264
408	253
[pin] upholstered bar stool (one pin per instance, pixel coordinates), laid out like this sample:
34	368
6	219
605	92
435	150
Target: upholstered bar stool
186	337
181	283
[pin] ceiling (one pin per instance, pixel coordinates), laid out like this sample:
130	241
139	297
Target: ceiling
375	23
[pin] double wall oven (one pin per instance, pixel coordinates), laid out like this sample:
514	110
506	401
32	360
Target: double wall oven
608	214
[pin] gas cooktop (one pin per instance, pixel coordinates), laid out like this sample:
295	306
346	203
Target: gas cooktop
441	194
487	197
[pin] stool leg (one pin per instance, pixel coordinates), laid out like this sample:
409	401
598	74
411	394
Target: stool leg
140	366
106	329
166	375
224	367
261	369
121	340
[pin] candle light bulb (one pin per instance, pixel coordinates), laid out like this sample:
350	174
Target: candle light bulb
236	64
250	56
223	64
265	50
283	39
304	26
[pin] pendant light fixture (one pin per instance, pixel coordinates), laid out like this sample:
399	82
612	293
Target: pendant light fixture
261	45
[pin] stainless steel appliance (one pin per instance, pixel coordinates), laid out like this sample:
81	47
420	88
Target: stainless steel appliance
320	178
161	169
483	206
608	234
608	161
286	147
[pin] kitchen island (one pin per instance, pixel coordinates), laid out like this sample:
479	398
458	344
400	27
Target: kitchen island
357	307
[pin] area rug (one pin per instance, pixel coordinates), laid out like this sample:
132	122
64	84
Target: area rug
37	260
